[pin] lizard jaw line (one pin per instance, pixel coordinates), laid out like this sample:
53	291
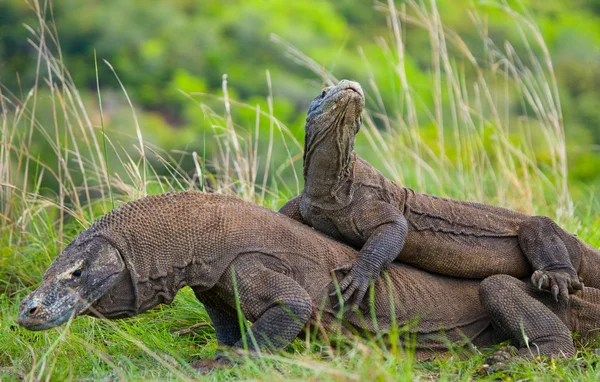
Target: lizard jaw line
37	324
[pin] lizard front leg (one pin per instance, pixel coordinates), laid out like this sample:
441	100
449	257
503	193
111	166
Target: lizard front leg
227	330
385	230
276	304
552	252
223	317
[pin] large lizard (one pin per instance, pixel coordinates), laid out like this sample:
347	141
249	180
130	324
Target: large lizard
140	254
346	198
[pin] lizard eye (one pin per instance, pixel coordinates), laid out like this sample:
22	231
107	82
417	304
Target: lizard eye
324	91
76	273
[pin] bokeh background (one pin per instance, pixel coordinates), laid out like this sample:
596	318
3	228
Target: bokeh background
167	52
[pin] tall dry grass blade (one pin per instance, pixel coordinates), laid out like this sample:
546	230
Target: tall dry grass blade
104	138
270	148
138	131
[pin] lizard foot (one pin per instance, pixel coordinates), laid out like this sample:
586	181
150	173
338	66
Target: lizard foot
205	366
499	360
223	359
560	282
353	286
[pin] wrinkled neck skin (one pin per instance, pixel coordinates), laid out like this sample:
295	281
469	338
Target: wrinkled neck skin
129	298
168	242
331	125
132	296
327	162
121	300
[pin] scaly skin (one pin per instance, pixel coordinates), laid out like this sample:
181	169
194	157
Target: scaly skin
348	199
143	252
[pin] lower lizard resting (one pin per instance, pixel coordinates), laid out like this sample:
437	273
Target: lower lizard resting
140	254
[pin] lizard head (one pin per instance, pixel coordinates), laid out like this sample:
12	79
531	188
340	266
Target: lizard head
333	120
80	275
337	106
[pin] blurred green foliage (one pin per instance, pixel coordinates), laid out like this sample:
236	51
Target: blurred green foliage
161	48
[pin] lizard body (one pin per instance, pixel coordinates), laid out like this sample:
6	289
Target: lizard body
346	198
140	254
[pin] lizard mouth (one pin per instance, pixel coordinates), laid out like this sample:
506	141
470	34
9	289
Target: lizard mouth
355	88
74	306
43	324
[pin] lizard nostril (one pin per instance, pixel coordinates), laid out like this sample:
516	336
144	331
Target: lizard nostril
33	310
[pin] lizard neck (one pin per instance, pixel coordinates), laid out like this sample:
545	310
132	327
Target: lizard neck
332	121
174	240
119	302
328	163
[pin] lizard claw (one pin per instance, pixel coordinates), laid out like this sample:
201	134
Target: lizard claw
555	291
343	268
353	287
498	361
560	282
542	279
343	285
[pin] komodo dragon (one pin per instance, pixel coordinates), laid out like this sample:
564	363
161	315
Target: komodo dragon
346	198
140	254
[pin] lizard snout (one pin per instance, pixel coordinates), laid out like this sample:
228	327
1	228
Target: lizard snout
34	314
352	85
29	312
30	307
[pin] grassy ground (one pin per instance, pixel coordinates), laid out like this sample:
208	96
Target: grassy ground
145	348
470	143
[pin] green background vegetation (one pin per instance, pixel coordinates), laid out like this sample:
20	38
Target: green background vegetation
161	48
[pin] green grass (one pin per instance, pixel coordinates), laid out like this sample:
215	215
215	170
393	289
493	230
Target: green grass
469	141
147	348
